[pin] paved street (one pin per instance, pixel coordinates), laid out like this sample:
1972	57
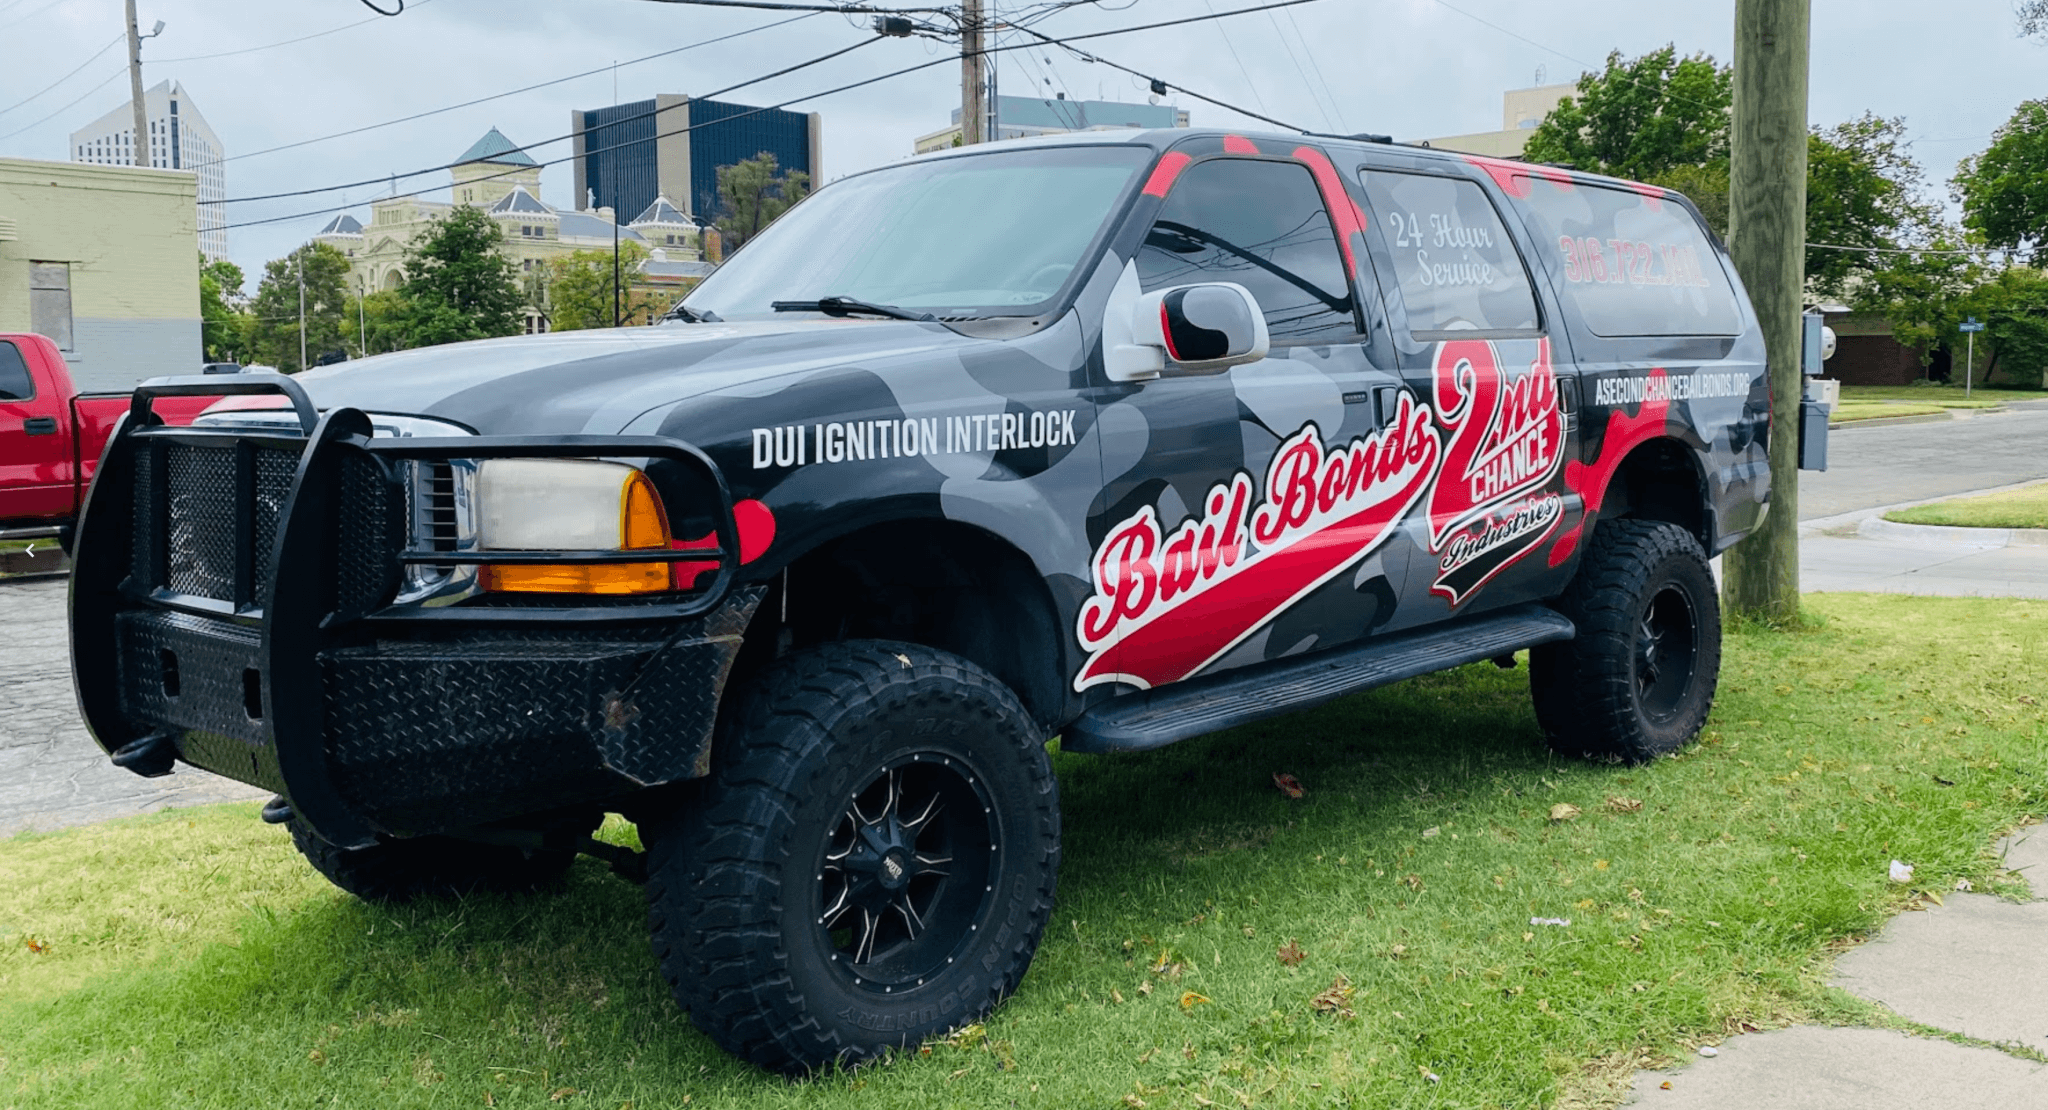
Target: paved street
51	773
1868	467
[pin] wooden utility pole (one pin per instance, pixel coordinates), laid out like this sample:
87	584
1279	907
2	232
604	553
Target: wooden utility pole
135	89
1767	239
972	108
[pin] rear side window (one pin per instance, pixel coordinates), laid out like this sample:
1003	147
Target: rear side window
1458	270
1263	226
15	384
1633	263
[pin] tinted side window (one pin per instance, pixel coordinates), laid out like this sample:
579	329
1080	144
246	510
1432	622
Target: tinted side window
1261	225
1632	263
1457	267
15	384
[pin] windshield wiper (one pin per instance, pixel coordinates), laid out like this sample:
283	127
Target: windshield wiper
692	315
842	306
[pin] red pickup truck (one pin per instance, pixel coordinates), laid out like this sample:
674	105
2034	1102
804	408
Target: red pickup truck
51	436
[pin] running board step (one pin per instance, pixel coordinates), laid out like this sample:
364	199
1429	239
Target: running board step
1156	718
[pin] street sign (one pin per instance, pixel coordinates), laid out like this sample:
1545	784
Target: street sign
1970	325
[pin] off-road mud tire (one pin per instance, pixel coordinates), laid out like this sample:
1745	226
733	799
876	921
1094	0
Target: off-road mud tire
740	872
1602	695
400	870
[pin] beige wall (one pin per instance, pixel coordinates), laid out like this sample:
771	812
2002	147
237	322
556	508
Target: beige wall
1520	111
131	239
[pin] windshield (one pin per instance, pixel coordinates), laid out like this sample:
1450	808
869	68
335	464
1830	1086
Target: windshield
990	234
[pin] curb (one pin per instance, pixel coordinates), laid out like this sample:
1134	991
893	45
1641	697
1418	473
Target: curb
1878	527
1888	421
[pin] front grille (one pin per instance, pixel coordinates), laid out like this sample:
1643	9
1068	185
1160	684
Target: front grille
200	524
435	504
206	517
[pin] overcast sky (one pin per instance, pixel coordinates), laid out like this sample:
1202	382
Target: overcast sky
1411	68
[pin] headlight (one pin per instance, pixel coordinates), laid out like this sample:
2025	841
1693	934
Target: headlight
570	505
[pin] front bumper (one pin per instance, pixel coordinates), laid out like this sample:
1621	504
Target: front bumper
232	607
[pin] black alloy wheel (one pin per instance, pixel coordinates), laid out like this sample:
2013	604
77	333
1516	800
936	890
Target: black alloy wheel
903	877
1638	680
870	863
1667	651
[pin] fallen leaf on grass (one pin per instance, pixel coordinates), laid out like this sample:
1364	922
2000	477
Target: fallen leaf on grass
37	946
1336	998
1145	987
1189	1000
1116	996
1564	811
1291	954
1624	805
1431	831
1288	784
1134	1102
1413	882
560	1093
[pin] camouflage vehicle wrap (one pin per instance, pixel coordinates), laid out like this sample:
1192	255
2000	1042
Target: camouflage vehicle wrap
271	596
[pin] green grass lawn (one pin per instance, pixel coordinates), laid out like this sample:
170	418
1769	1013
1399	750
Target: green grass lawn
1849	412
191	959
2020	508
1945	396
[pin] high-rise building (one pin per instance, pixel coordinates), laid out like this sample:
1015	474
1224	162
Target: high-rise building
179	139
629	154
1019	117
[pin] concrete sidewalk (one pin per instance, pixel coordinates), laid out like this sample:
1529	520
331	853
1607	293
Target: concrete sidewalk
1977	966
1861	550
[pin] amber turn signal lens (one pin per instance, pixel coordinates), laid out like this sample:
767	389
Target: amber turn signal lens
642	526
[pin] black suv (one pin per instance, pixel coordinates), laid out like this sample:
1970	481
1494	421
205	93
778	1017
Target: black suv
1116	438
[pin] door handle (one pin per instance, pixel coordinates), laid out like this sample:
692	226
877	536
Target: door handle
40	425
1386	401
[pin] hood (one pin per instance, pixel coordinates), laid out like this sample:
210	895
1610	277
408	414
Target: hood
597	381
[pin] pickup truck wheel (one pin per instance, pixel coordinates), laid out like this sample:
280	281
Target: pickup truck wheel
401	870
1639	678
870	864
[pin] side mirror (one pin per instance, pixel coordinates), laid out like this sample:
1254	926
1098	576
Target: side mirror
1202	328
1197	329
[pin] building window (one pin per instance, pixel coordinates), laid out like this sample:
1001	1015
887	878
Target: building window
49	301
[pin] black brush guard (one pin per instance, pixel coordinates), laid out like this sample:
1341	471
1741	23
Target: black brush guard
231	607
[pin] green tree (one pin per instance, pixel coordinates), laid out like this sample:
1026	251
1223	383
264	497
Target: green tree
223	319
378	323
2004	188
1640	117
751	196
459	284
274	311
2013	305
579	289
1665	120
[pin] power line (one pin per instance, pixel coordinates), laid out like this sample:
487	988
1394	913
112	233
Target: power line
285	42
514	92
1328	93
1158	83
786	103
554	139
1232	47
110	79
1908	250
779	6
95	56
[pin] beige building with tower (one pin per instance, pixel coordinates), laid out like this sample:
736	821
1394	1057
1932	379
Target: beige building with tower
1520	111
104	260
498	177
